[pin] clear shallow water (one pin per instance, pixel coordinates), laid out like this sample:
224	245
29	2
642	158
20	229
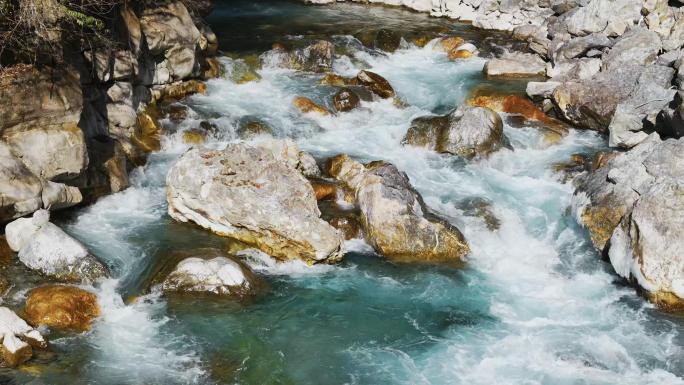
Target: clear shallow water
535	305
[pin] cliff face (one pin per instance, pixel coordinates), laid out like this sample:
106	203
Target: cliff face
70	133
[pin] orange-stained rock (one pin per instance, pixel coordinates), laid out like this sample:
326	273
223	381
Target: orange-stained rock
324	189
61	307
459	54
450	43
194	136
333	79
147	134
307	105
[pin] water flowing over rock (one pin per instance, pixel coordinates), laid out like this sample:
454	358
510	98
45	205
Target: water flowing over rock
255	194
632	207
45	247
396	221
61	307
18	339
345	100
316	57
219	275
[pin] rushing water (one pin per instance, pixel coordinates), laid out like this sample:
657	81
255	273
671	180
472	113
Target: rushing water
535	304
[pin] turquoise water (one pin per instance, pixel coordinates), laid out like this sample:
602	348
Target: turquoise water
535	304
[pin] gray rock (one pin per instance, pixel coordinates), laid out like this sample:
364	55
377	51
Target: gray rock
515	65
395	220
268	203
220	275
474	131
611	17
638	46
579	46
541	90
625	128
316	57
428	132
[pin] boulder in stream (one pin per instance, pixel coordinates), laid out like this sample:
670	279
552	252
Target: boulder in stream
61	307
220	275
255	193
45	247
376	83
345	100
396	222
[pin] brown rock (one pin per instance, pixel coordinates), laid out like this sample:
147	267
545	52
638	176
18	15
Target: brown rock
180	90
307	105
147	134
61	307
6	253
177	112
324	189
253	128
211	68
349	226
345	100
332	79
450	43
194	136
376	83
455	54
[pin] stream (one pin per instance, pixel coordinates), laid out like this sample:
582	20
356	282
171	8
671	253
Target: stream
535	303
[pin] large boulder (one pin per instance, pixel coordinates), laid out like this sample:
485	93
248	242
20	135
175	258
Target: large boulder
611	17
219	275
45	247
61	307
467	132
632	207
638	46
256	194
18	339
395	220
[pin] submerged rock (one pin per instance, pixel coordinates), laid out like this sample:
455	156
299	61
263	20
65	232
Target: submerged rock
256	194
45	247
345	100
18	338
219	275
61	307
376	83
316	57
467	132
632	207
253	128
395	220
307	105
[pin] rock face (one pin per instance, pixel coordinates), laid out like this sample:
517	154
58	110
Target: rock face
395	220
467	132
88	116
61	307
219	275
45	247
268	204
18	338
632	207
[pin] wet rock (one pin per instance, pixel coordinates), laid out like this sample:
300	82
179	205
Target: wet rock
316	57
18	338
252	128
194	136
515	65
219	275
395	220
387	40
428	132
518	105
332	79
148	130
481	208
177	112
269	205
61	307
307	105
324	189
577	164
239	70
45	247
474	131
376	83
179	90
349	226
450	43
459	54
345	100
